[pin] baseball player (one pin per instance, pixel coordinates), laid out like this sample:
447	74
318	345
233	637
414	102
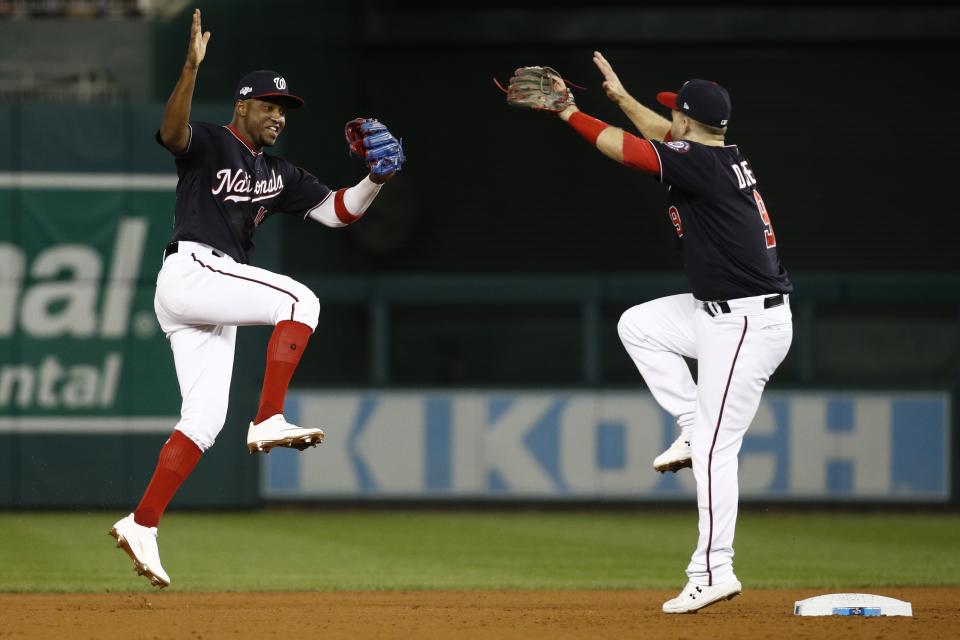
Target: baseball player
736	322
227	188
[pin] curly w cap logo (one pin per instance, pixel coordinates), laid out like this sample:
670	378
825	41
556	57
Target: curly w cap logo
280	83
245	90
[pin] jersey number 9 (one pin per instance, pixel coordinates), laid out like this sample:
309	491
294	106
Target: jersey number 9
675	219
768	226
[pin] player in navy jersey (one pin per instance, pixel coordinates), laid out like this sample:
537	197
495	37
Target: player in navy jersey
228	186
736	321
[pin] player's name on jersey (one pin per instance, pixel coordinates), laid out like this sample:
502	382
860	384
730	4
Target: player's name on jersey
36	299
235	184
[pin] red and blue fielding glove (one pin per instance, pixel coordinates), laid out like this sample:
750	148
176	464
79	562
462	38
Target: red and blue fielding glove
370	140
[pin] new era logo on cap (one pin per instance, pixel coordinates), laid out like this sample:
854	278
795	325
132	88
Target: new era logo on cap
269	86
702	100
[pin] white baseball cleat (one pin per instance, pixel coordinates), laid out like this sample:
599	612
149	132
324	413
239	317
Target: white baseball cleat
275	431
678	456
140	543
697	596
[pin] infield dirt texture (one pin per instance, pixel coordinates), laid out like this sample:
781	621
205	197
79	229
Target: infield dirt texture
469	575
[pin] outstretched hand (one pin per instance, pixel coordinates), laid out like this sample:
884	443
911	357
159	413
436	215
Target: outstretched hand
370	140
197	48
611	83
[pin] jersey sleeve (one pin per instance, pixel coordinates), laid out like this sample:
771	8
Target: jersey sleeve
302	191
687	166
201	139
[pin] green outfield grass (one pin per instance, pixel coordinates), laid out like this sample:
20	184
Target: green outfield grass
298	550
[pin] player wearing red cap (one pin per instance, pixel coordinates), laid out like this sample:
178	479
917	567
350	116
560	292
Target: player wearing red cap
736	322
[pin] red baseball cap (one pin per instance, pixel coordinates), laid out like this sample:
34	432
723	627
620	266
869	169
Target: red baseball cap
703	100
269	86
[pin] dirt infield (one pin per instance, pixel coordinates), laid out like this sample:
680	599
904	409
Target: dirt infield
382	615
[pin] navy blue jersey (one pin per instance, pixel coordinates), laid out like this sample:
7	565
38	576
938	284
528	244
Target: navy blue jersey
226	189
728	243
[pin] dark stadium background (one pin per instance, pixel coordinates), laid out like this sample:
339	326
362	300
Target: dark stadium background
503	254
848	111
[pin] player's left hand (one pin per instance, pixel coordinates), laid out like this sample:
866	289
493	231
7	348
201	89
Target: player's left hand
370	140
538	88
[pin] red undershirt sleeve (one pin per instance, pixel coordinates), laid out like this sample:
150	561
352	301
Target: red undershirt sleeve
640	154
637	152
587	126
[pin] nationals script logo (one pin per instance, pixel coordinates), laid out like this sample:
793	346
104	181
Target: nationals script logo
240	187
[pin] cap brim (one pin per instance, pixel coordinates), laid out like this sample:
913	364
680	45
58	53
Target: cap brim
668	99
286	99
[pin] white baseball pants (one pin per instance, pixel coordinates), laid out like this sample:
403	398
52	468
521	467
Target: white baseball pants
736	354
201	299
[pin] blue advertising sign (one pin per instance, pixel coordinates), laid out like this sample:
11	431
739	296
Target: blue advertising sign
581	445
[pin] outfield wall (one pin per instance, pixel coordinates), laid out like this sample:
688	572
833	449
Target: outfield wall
585	445
88	392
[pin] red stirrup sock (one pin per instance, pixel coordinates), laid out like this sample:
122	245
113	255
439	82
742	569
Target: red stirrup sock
286	345
178	457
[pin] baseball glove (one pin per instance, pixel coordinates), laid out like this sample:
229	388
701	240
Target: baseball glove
539	88
370	141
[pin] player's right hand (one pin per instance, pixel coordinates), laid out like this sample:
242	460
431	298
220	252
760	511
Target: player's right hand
611	83
197	48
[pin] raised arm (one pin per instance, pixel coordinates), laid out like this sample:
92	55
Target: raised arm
174	131
651	125
613	142
543	89
370	140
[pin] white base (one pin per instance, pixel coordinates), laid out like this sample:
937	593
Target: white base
852	604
